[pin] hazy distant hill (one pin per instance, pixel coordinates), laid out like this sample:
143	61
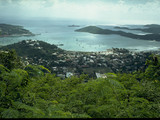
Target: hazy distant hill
152	28
13	30
97	30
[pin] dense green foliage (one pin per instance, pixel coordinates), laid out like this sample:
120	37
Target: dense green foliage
10	59
34	92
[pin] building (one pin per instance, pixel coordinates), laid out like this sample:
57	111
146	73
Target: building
98	75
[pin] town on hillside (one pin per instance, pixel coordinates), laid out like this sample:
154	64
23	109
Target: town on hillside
68	63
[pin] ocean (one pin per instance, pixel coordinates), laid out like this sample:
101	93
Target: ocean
57	31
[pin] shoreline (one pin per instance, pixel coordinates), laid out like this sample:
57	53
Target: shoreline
109	51
103	52
18	35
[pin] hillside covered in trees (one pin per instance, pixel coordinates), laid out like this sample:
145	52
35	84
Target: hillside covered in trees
32	91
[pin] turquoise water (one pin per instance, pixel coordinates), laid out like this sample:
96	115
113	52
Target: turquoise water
58	32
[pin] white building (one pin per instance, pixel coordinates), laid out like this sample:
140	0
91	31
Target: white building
69	74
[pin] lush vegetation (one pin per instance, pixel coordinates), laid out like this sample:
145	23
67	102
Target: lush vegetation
24	49
34	92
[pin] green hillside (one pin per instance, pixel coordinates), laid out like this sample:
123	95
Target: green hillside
32	48
33	92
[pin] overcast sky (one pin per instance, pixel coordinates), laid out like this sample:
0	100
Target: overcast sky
111	11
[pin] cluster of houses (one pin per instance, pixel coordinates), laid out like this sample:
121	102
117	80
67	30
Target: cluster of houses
71	63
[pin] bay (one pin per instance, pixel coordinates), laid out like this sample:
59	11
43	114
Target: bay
58	32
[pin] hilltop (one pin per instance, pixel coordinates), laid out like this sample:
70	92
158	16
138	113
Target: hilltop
34	48
97	30
13	30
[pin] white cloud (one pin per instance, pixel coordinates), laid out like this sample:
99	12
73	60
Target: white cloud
115	12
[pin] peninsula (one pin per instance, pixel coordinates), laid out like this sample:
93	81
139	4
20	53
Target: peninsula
97	30
7	30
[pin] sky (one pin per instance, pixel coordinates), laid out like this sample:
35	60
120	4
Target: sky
105	11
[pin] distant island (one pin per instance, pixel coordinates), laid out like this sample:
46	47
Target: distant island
96	30
73	26
7	30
